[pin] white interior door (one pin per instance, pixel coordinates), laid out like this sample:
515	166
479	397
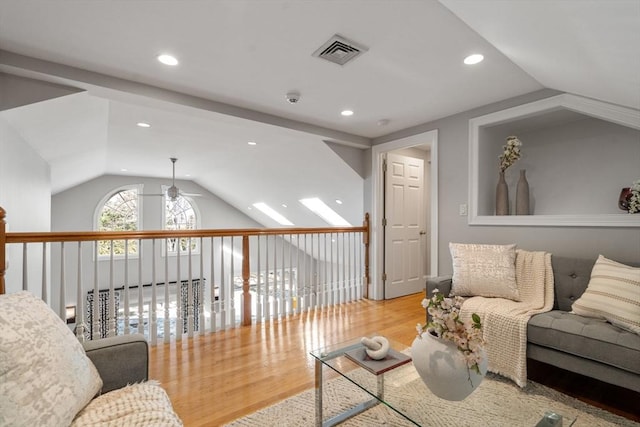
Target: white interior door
405	226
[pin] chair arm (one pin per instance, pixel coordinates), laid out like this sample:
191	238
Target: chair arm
441	283
120	360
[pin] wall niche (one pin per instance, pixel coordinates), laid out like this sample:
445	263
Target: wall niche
578	154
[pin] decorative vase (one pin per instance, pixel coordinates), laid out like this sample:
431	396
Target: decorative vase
443	368
522	194
502	196
624	199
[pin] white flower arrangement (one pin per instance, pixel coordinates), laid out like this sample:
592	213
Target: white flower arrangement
511	153
446	324
634	200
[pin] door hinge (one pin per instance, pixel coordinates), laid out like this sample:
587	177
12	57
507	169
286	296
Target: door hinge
384	222
384	277
384	165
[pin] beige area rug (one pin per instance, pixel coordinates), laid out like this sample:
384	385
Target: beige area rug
497	402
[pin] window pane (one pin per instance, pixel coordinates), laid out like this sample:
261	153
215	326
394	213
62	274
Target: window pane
119	213
180	215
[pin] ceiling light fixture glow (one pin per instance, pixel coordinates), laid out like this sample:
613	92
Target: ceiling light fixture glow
143	125
252	143
167	59
347	113
338	201
473	59
271	213
319	208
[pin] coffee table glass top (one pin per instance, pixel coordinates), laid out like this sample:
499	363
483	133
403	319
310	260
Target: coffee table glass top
340	362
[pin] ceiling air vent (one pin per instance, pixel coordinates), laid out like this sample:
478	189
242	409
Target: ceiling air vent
339	50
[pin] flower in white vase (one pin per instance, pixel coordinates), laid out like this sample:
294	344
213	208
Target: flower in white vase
446	324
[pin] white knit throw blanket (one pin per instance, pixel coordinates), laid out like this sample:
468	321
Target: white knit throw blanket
504	322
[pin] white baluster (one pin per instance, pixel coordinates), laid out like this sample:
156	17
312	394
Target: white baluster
167	313
126	288
63	296
153	308
81	326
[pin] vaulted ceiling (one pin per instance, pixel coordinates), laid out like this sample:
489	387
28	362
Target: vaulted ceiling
239	58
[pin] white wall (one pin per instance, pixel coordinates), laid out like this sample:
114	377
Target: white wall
622	244
25	194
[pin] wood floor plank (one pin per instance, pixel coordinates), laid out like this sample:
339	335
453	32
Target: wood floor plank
216	378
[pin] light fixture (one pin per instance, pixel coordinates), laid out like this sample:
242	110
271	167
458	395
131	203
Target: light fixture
271	213
124	170
167	59
319	208
143	125
347	113
338	201
252	143
284	205
473	59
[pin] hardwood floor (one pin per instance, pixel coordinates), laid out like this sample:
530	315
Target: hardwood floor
216	378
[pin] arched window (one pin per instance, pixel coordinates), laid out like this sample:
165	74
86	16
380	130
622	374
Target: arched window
180	214
119	212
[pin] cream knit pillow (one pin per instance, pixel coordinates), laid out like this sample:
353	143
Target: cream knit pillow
613	294
484	270
45	376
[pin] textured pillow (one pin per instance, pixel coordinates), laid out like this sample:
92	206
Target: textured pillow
484	270
613	294
45	376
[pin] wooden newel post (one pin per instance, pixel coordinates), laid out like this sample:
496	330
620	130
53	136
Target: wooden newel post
246	271
3	245
365	238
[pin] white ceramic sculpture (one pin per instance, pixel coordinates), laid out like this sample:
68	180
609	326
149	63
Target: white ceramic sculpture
376	347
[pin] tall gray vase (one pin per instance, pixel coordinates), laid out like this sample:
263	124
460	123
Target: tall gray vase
522	194
502	196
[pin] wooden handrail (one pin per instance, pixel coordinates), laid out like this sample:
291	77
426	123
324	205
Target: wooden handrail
78	236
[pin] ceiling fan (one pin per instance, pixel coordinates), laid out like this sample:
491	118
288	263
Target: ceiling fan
173	192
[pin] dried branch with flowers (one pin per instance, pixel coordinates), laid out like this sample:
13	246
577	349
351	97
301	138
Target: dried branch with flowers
446	324
511	153
634	200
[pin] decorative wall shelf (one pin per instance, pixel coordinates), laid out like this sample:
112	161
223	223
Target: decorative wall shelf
543	114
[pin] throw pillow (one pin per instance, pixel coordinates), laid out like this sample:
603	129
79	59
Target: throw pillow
45	376
613	293
484	270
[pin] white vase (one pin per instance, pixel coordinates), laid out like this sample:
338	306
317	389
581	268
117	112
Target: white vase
443	368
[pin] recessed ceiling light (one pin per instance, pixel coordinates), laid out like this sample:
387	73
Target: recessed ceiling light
252	143
338	201
143	125
123	170
347	113
167	59
473	59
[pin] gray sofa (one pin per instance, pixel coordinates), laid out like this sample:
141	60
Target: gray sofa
120	360
583	345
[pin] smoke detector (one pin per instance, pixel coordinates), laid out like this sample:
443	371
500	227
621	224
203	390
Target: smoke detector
293	97
340	50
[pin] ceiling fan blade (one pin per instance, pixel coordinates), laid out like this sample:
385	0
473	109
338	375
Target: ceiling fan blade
159	194
191	194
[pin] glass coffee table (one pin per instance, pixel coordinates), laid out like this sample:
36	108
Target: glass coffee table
371	383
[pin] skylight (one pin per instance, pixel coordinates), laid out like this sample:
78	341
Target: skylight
271	213
319	208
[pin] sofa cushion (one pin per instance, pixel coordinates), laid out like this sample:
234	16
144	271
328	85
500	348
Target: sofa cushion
613	294
143	404
586	337
484	270
45	376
